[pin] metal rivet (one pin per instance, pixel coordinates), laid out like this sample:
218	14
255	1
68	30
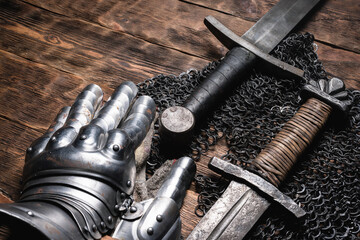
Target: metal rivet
173	109
133	209
82	137
94	228
122	195
116	148
29	149
122	209
109	219
128	183
117	207
159	218
30	213
150	231
102	224
53	138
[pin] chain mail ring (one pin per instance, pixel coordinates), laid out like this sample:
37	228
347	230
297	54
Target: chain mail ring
325	182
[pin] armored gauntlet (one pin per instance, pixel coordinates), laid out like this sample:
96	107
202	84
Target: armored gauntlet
78	177
159	218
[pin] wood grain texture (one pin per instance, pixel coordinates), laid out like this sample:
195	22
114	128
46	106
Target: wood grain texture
87	50
344	15
342	64
31	95
179	25
50	50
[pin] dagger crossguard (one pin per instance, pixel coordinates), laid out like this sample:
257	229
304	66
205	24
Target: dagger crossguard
276	160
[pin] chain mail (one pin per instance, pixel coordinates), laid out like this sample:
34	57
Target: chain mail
325	182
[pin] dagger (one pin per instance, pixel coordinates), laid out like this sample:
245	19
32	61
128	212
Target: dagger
252	48
251	193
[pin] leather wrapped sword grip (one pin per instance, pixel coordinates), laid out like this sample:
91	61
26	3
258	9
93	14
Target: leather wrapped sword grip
233	68
275	161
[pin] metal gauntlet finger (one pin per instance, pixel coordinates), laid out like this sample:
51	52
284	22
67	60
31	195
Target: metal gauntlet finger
159	218
83	170
138	122
122	142
92	136
39	145
178	181
116	107
81	113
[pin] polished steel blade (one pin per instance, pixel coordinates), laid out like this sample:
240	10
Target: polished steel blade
233	214
277	23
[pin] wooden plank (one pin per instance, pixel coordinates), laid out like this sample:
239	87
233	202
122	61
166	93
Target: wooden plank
188	217
60	55
254	10
14	140
87	50
4	199
175	24
143	17
329	15
179	25
31	95
342	64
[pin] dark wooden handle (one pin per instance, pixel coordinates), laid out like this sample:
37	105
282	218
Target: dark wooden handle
233	69
275	161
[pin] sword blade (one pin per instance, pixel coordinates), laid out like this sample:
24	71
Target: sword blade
277	23
233	214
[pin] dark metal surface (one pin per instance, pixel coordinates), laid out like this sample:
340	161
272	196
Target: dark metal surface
231	40
160	217
332	92
244	208
232	215
177	122
239	61
82	170
325	183
256	182
276	24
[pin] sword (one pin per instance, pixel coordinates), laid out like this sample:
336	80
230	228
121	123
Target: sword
177	123
251	193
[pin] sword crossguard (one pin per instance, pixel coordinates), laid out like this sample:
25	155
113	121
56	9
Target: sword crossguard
230	40
269	190
177	123
276	160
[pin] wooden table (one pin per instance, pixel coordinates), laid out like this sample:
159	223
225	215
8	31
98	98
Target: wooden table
50	50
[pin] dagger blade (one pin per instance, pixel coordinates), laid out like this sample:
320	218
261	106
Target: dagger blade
235	222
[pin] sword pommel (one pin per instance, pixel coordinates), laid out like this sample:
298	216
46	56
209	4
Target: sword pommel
331	92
